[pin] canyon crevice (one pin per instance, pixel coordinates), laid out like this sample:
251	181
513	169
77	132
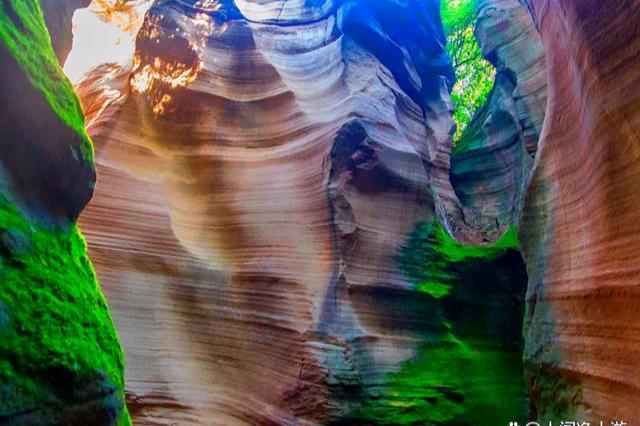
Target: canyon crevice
284	230
491	164
268	167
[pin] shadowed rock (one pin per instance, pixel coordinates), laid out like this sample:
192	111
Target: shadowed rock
490	165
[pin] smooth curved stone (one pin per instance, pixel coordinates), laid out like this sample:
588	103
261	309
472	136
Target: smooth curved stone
265	178
510	39
490	166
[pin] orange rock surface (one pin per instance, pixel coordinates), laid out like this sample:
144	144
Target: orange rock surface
580	227
255	183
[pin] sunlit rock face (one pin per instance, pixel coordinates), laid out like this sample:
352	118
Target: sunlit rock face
260	165
580	225
491	163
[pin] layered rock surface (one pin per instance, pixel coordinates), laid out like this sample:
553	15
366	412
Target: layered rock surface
580	222
576	220
491	163
276	169
509	38
261	166
272	179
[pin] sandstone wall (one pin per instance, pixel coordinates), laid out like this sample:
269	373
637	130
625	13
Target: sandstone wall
580	222
261	168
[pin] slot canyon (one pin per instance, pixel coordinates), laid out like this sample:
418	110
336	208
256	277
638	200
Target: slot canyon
320	212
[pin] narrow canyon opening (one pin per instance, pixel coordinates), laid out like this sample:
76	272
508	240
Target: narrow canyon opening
327	212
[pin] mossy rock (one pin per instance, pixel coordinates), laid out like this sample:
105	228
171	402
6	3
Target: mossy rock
46	156
61	362
60	358
470	372
24	34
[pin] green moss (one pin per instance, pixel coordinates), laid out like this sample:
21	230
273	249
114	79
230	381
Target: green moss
431	257
24	34
451	383
125	418
57	324
434	288
472	373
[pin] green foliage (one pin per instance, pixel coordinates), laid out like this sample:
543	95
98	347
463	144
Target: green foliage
53	316
24	34
457	14
474	74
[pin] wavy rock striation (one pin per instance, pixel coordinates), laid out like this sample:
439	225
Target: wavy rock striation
262	167
510	39
279	170
273	216
580	224
60	358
